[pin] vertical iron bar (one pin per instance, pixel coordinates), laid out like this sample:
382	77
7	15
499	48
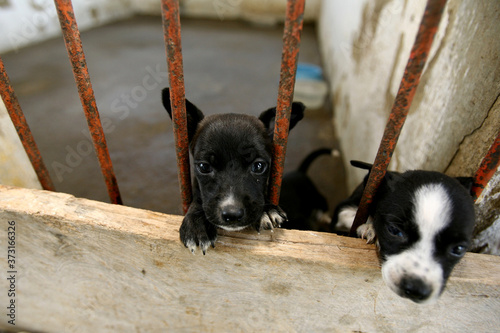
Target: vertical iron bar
289	59
404	97
16	115
487	169
77	57
172	33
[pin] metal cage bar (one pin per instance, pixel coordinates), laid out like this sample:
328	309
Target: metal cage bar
172	33
404	97
77	57
487	169
289	58
16	115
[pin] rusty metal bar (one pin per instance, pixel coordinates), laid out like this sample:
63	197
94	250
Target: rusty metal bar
487	169
16	115
404	97
77	57
172	33
289	59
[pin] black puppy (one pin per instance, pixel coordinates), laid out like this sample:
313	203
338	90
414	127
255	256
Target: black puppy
423	223
232	159
305	206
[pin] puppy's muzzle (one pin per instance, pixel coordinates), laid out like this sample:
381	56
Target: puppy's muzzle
415	289
232	213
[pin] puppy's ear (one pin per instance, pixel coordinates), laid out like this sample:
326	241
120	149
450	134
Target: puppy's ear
268	117
390	180
365	166
297	113
466	182
194	115
361	165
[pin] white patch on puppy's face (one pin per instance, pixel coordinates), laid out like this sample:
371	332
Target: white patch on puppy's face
230	228
415	273
228	201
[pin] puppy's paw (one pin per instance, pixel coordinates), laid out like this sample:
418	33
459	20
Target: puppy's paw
323	217
196	232
272	217
346	218
367	231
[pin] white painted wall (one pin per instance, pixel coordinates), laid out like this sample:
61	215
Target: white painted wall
256	11
455	114
15	166
365	46
23	22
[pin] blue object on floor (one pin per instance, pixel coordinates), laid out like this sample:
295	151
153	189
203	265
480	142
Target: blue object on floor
309	72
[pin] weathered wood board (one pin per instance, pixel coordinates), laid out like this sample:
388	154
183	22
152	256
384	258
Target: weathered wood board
87	266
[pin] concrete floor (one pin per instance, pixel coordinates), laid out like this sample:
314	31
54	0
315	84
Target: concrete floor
228	67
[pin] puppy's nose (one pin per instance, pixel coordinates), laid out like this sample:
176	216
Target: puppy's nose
232	213
415	289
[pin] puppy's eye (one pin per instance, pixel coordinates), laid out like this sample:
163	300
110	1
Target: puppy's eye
395	231
259	167
204	167
458	250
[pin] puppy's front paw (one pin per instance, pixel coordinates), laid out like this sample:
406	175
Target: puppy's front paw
367	231
195	231
272	217
345	218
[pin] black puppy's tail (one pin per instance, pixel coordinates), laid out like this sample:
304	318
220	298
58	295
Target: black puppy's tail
361	165
312	156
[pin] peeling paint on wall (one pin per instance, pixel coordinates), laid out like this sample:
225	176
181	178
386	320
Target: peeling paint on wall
487	232
370	22
455	114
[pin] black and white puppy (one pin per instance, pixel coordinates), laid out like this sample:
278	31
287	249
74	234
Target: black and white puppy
305	206
232	159
423	223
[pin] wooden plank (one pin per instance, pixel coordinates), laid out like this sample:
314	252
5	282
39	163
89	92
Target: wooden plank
87	266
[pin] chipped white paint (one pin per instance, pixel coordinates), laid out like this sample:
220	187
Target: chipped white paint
364	60
488	238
